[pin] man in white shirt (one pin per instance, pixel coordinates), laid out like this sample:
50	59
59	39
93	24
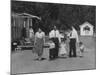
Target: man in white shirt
73	40
54	36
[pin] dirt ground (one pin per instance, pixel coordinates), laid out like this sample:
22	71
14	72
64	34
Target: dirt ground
23	62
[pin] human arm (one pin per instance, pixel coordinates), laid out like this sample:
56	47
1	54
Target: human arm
59	36
50	34
77	38
44	37
35	37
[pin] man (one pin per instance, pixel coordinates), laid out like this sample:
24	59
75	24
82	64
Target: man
54	36
73	40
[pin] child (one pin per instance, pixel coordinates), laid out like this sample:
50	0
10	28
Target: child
62	50
81	47
51	48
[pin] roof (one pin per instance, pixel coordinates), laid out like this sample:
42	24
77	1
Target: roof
25	15
86	23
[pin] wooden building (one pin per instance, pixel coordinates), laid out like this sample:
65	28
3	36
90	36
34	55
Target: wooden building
20	21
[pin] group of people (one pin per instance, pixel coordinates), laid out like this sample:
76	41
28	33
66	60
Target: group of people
57	43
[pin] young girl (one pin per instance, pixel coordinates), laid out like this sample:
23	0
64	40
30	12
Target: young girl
81	47
62	50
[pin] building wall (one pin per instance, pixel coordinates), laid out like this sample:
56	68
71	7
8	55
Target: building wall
16	27
86	33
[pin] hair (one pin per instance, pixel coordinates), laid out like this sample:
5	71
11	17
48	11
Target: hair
80	43
70	28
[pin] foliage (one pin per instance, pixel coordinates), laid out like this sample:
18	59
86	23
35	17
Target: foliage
62	15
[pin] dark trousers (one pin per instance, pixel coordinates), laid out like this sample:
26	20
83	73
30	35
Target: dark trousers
72	45
54	52
51	53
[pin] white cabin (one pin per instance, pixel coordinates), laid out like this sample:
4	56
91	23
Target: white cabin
86	29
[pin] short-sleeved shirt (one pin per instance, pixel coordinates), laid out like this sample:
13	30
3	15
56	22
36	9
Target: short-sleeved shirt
55	34
74	34
39	34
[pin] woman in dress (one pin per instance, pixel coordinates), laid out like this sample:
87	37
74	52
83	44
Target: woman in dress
63	48
39	42
31	35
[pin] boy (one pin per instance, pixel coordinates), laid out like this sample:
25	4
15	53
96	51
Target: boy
52	49
81	47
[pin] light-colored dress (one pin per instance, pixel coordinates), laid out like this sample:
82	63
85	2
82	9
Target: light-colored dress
39	43
31	33
62	49
31	36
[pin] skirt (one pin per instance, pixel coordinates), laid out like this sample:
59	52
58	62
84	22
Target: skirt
38	46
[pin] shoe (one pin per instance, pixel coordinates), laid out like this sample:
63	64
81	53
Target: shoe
74	56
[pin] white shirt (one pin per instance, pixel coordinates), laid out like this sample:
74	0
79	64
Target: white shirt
74	34
55	33
40	35
52	45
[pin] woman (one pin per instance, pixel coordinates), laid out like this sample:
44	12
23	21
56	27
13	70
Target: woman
39	42
31	35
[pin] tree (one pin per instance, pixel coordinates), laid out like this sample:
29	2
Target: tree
59	14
